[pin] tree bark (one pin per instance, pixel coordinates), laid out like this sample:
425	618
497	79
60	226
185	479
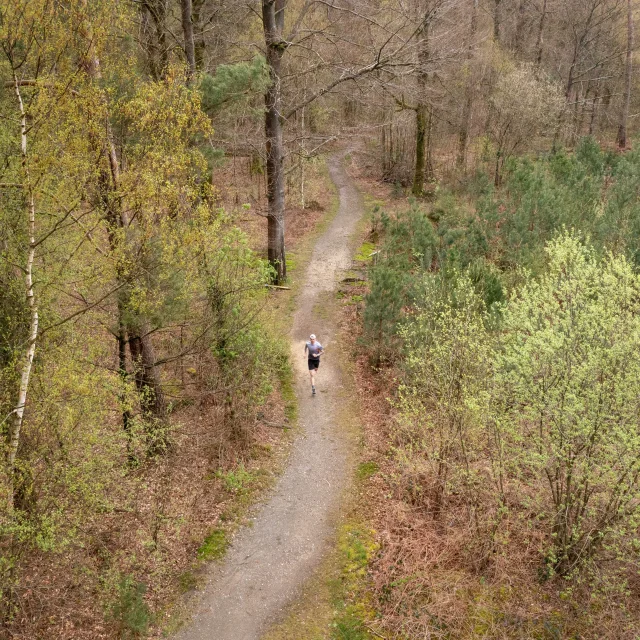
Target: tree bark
497	20
540	38
624	119
189	44
273	24
519	44
25	376
423	169
421	136
199	45
159	52
467	114
145	373
122	366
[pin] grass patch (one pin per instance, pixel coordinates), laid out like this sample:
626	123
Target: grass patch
363	254
356	546
291	262
187	581
214	545
237	480
287	389
367	469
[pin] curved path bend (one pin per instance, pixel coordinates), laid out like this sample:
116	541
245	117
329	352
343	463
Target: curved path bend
268	562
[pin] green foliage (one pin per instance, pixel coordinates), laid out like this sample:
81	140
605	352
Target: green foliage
519	387
445	368
505	229
236	480
147	255
364	252
410	244
188	581
536	408
130	611
567	396
232	83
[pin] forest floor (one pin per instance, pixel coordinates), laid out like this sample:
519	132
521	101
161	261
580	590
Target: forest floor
268	562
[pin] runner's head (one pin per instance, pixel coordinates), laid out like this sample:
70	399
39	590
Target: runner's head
312	337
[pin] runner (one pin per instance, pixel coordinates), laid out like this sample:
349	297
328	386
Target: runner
315	351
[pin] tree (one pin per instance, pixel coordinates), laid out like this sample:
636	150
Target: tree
567	387
423	167
497	20
189	42
276	45
443	376
153	15
131	328
525	105
11	51
465	124
624	118
540	36
345	63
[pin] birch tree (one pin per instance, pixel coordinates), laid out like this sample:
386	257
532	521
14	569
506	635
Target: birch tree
30	294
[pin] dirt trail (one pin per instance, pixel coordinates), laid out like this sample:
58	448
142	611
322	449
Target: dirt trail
268	562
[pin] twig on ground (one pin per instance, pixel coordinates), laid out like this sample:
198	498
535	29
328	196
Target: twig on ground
375	633
275	425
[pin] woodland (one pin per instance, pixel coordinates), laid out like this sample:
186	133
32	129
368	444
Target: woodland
162	165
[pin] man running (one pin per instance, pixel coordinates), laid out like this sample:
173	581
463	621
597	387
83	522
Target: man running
315	351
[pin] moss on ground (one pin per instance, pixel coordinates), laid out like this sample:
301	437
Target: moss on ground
214	546
364	252
367	469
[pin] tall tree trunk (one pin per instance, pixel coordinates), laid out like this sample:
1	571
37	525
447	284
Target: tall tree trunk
467	114
189	44
199	44
145	372
421	136
519	44
122	365
423	169
622	130
25	374
157	48
273	24
497	20
540	38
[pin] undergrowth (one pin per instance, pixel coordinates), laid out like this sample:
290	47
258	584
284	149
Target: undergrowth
493	310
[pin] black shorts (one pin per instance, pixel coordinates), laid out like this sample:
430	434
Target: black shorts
314	364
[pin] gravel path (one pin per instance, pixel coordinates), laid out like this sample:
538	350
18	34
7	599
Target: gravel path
269	561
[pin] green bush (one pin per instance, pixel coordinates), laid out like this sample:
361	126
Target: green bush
444	370
567	397
130	611
409	246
